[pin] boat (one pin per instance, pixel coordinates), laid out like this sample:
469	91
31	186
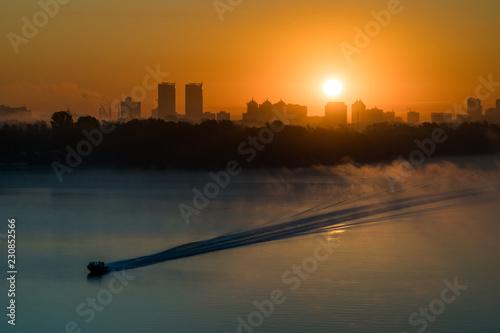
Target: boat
98	268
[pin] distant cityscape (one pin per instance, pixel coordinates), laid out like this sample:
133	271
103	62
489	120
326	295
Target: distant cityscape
336	113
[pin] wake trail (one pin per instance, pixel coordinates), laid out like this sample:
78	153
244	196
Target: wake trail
323	220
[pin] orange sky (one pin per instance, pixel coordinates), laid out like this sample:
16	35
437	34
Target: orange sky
91	52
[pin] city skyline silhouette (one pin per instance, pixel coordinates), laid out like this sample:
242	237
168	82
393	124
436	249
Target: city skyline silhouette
400	63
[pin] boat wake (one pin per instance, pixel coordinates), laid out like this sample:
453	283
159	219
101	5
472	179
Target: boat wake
340	215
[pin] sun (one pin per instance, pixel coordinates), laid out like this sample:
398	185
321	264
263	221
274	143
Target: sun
333	88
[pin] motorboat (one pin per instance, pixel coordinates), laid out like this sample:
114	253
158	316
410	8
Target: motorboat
98	268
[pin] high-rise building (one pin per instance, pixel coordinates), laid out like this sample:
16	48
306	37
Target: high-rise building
358	113
194	101
266	113
166	100
374	116
252	111
280	106
336	113
130	109
413	118
389	117
298	113
492	115
490	112
474	109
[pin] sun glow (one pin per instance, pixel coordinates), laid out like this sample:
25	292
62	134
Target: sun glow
332	88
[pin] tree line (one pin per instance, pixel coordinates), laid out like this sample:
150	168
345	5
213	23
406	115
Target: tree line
159	144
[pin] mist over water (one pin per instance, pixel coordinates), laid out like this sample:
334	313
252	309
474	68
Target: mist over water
396	248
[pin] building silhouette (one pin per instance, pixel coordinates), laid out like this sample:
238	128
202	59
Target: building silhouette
492	115
194	101
130	109
154	113
336	113
463	118
358	113
474	109
266	112
374	115
208	116
166	100
413	118
389	117
223	115
299	113
252	111
259	113
280	106
441	117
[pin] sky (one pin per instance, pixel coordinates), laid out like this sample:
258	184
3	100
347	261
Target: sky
428	56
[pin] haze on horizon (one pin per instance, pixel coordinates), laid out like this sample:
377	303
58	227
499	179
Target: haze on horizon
92	52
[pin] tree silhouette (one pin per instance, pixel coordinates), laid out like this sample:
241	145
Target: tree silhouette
62	120
87	122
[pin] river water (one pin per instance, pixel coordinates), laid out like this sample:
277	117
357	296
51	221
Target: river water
433	268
